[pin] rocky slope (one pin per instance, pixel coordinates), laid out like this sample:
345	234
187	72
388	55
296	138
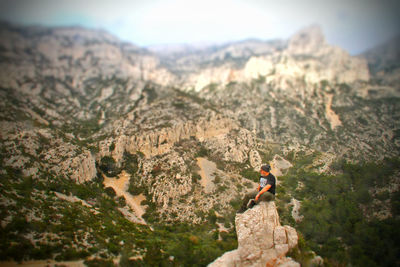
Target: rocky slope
60	85
323	99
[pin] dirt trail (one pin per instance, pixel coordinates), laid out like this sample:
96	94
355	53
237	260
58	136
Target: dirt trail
207	169
332	117
120	187
296	210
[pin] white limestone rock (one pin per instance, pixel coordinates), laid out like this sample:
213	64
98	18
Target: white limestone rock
261	239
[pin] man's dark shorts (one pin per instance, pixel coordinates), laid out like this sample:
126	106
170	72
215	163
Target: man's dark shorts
267	196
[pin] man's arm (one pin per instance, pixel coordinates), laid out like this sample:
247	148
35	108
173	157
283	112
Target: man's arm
265	189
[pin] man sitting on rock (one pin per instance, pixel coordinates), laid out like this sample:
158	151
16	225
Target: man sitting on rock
264	192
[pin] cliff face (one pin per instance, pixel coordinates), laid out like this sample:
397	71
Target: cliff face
262	241
160	141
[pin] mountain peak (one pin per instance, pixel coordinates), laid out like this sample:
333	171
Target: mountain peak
307	41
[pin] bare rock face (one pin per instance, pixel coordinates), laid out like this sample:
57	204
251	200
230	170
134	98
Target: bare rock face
85	167
255	159
262	240
160	141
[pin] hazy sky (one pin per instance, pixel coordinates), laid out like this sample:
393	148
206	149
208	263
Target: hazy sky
355	25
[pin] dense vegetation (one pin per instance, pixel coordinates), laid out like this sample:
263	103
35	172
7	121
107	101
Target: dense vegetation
338	222
69	231
339	217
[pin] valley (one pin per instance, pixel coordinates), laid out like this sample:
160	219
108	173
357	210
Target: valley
113	152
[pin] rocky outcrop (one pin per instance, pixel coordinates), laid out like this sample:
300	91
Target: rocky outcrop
255	159
261	238
279	165
84	167
160	141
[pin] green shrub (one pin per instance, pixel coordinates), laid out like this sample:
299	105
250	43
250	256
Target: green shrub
221	188
99	263
121	201
179	105
301	253
72	254
395	203
202	152
212	217
363	196
382	196
131	163
112	147
110	192
236	202
250	174
109	166
196	177
151	93
135	188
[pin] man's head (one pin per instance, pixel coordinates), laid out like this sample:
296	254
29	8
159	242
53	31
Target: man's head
265	169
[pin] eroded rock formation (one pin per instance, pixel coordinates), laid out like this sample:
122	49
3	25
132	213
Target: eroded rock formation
262	240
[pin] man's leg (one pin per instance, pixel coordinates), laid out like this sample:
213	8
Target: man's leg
267	196
246	199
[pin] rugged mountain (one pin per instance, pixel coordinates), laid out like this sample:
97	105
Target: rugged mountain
281	63
110	149
185	59
80	106
66	81
324	99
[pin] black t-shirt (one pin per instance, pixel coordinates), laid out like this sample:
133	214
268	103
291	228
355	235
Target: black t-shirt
270	179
